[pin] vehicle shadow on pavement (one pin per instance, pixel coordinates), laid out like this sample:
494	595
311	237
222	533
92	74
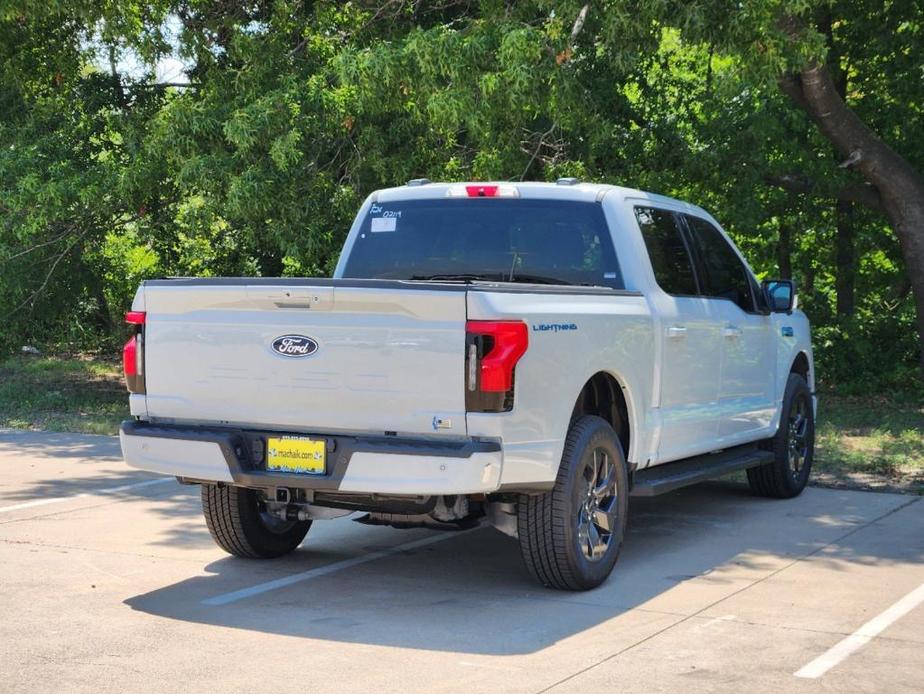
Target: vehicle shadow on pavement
471	593
60	444
72	464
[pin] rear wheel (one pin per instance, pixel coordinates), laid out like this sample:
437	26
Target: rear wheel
240	525
793	446
570	537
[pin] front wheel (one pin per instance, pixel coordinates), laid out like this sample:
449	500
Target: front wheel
240	525
570	537
793	446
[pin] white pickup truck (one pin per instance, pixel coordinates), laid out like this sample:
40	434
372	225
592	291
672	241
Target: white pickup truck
527	355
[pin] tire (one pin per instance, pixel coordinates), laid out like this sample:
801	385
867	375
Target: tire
239	526
793	446
555	529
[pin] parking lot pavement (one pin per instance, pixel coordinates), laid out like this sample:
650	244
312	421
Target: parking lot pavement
115	585
40	469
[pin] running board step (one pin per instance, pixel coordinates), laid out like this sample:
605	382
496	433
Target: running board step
681	473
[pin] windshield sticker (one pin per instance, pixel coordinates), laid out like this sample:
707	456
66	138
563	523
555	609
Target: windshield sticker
383	224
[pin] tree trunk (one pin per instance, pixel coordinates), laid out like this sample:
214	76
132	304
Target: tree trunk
844	255
900	186
845	258
784	251
102	316
808	288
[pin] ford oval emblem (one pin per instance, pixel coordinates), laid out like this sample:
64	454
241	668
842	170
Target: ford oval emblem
294	346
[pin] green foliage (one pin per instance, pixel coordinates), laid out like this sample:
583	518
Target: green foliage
73	394
295	111
870	442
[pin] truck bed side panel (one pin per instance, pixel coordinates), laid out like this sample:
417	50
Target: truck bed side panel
571	337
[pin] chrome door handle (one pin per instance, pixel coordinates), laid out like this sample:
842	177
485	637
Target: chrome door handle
676	331
731	331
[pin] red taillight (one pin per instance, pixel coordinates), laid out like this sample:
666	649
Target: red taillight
133	353
130	357
481	191
507	342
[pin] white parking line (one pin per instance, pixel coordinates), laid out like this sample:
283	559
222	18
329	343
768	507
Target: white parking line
715	620
236	595
59	499
862	636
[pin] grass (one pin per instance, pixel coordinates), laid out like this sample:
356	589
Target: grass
873	442
868	443
62	394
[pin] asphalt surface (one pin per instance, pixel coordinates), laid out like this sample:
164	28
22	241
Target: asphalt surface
109	581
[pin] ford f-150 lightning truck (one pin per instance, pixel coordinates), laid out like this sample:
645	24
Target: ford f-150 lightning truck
526	355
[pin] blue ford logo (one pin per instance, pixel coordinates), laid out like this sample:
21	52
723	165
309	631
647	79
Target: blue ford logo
294	346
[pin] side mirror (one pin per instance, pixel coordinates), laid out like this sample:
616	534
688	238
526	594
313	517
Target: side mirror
781	295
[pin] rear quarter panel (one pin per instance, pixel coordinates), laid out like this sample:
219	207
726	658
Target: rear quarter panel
611	333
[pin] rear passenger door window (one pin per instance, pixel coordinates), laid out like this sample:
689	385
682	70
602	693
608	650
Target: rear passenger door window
690	358
721	272
667	249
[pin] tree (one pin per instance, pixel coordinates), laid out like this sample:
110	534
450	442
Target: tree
804	48
896	179
58	175
582	78
294	111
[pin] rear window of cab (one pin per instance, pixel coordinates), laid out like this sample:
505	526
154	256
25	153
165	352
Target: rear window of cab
548	241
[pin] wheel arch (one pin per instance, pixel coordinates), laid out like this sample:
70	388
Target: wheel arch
604	395
800	365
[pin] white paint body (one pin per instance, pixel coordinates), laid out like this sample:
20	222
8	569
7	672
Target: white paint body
391	360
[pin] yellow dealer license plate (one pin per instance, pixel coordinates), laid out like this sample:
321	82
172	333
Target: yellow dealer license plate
296	454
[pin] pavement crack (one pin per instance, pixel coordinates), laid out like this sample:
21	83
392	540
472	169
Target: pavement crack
808	630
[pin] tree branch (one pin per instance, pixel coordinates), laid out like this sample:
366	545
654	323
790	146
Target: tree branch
852	138
116	80
537	150
791	86
50	242
860	193
578	24
565	55
51	271
298	48
164	85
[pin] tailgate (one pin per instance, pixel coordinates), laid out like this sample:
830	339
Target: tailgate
341	355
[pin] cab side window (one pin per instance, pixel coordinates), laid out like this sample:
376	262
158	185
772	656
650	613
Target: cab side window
721	272
670	258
